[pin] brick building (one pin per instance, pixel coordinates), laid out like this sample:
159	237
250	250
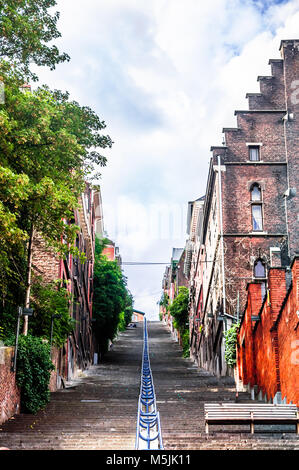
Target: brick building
77	277
249	221
112	252
174	277
193	249
268	339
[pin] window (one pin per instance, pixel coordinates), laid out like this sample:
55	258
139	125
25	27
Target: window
254	153
259	269
259	272
256	193
257	218
256	208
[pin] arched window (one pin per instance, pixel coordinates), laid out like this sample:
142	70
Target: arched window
256	207
256	194
259	269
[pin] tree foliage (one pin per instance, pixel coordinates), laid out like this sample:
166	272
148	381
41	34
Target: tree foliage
230	337
179	308
47	152
180	312
26	29
111	299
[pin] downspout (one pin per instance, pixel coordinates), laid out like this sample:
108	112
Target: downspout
288	184
221	238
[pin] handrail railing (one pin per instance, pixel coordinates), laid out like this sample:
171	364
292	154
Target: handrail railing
148	433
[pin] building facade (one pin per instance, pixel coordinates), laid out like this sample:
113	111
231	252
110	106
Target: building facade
77	277
173	278
250	211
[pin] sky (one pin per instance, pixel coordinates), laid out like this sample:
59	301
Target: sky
166	76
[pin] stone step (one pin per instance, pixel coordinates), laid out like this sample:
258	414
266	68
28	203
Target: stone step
99	410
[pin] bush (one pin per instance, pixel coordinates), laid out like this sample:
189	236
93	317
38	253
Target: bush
34	368
112	301
122	324
179	308
230	345
185	343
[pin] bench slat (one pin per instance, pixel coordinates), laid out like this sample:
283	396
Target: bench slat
260	413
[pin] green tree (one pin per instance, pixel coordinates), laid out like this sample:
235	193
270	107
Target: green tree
230	337
180	312
26	29
126	315
179	308
110	298
47	151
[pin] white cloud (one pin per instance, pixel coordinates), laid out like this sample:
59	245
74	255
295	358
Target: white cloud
166	76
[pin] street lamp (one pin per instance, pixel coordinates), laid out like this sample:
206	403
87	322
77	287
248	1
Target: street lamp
21	312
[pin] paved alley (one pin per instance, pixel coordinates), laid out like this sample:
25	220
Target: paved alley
99	410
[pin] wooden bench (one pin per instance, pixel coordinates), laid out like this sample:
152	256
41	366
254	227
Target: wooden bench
247	413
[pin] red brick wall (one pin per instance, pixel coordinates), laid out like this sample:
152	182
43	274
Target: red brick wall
268	349
9	392
288	335
264	359
246	344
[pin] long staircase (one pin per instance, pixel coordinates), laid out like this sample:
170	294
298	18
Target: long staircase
99	410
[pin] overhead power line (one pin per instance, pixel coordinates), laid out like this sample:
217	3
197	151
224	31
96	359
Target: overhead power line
142	263
134	263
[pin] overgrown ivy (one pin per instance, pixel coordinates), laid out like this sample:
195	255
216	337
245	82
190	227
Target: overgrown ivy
51	299
112	301
34	368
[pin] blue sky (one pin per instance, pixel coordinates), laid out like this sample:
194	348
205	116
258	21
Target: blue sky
166	76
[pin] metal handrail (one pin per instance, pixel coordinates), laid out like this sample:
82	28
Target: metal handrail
148	430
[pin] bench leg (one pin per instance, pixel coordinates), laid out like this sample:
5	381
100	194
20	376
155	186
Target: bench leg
252	424
207	428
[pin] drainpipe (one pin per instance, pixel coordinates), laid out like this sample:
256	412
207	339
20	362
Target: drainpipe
221	239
